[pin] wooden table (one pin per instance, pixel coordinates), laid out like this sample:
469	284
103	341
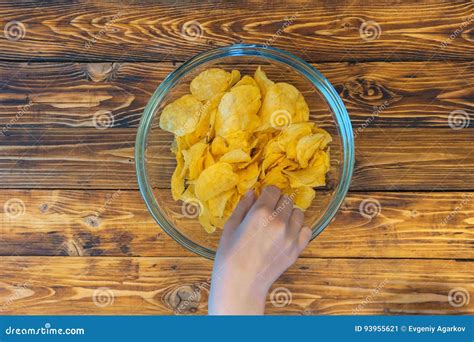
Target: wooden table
76	237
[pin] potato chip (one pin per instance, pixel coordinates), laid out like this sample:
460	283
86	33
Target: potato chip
276	177
279	106
181	116
301	110
308	145
293	133
238	109
233	134
211	82
212	124
246	80
219	146
237	139
289	137
304	196
189	197
314	175
205	220
230	206
204	126
209	158
272	147
235	156
234	78
263	82
255	149
218	221
271	160
248	177
194	159
218	203
254	156
177	180
214	180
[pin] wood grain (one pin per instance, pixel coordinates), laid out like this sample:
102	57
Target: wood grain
161	286
75	236
378	94
87	158
327	31
117	223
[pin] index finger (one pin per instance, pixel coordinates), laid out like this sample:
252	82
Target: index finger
269	197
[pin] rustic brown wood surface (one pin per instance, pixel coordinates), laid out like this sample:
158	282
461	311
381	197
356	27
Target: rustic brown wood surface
74	229
410	94
88	158
327	30
153	285
116	223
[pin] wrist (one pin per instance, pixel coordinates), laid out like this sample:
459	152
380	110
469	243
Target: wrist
237	298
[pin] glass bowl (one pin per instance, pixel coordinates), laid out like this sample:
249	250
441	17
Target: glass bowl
155	162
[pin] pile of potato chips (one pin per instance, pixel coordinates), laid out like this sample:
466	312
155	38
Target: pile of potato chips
233	134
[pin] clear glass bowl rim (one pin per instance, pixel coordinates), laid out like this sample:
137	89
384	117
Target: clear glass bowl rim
314	76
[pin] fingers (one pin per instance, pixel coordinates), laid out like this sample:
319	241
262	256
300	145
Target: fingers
269	197
237	217
299	236
240	210
304	237
284	208
295	222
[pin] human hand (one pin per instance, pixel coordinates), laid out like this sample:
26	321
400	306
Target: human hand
261	239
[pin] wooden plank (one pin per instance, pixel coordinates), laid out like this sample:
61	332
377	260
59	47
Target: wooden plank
378	94
116	223
65	158
87	158
329	31
414	159
161	285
